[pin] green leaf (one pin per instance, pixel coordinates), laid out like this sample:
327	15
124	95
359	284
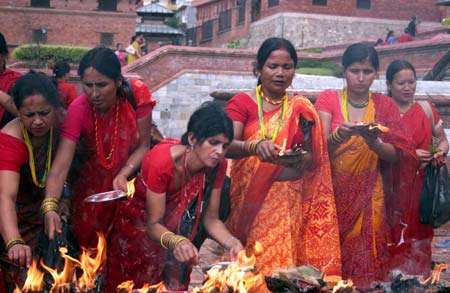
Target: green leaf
432	149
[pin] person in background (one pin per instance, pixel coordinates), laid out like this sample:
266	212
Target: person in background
273	201
405	37
67	91
137	50
176	173
390	39
120	53
411	248
357	155
114	137
26	147
412	26
7	79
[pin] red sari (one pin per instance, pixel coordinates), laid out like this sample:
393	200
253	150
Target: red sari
67	93
158	172
14	157
7	80
119	128
295	221
411	250
360	186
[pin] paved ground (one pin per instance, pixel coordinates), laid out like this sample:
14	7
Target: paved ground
211	253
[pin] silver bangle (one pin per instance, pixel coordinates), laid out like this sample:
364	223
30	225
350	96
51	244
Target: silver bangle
131	166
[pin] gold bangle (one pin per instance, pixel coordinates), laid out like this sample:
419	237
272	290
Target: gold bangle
14	241
48	206
179	239
50	199
161	239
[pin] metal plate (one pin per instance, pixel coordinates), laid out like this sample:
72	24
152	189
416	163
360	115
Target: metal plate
106	196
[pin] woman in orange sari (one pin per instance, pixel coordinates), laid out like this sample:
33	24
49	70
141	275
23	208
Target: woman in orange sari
287	207
357	153
411	249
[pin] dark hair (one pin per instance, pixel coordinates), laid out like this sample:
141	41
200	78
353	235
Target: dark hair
395	67
61	68
102	59
34	83
270	45
360	52
389	34
3	45
207	121
119	44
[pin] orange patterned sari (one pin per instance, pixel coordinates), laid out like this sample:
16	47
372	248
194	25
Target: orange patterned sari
295	221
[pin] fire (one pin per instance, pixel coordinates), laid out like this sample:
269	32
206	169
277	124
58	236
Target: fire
35	279
378	126
435	274
130	188
240	276
62	281
283	148
127	287
343	284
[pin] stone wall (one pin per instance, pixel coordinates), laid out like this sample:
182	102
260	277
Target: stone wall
318	30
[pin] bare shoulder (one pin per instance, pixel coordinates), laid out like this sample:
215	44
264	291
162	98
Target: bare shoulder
13	129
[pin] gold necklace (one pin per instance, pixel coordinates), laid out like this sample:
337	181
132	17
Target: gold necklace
31	162
262	127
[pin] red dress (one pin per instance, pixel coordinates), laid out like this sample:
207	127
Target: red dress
119	129
67	93
413	254
7	80
14	157
159	176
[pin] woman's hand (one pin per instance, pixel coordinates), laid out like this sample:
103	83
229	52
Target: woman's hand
234	246
267	151
52	224
346	131
20	254
438	159
370	136
120	183
185	251
424	157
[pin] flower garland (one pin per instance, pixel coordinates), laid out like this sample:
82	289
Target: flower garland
109	161
38	182
346	101
262	127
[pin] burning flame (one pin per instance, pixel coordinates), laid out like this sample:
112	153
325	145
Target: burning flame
435	274
127	287
378	126
240	276
130	188
62	281
343	284
35	279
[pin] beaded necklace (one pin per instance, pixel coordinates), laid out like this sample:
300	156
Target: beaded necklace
262	127
109	161
185	202
31	162
270	101
346	101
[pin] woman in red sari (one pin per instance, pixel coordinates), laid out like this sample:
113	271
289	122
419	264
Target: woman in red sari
67	91
26	147
176	174
7	79
288	208
114	137
411	248
357	154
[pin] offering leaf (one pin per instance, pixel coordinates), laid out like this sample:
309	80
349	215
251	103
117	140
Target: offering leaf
432	149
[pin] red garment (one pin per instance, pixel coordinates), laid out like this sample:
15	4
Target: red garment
405	38
300	212
361	183
14	157
159	176
67	93
412	257
93	177
7	80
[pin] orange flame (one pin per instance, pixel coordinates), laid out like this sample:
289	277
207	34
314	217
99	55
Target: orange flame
127	287
17	290
62	280
130	188
343	284
435	274
35	279
239	276
378	126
